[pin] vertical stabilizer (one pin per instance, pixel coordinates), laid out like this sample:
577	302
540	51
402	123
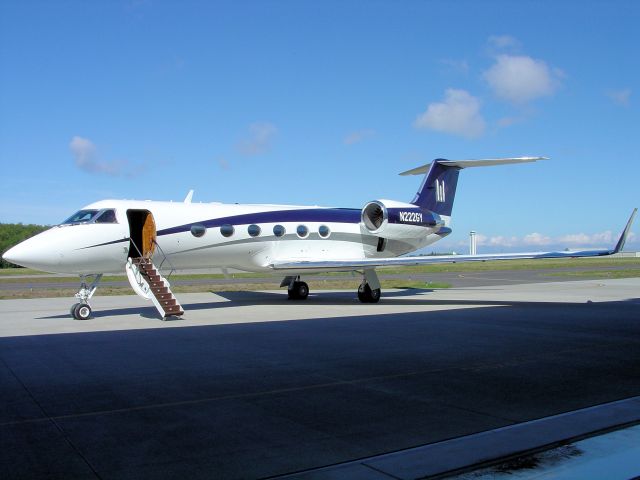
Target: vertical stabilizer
438	189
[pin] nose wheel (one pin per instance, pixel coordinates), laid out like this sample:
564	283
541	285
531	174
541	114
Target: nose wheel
82	310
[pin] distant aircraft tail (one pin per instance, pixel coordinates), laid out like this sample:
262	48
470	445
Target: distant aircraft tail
438	189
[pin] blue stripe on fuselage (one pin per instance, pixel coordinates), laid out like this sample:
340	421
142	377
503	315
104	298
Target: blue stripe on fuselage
328	215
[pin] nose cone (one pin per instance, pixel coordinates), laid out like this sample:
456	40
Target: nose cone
14	254
33	253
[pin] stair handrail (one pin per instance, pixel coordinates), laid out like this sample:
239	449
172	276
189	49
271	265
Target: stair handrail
136	247
166	258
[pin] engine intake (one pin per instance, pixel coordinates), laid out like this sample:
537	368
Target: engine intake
375	216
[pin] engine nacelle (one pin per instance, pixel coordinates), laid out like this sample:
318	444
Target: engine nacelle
391	219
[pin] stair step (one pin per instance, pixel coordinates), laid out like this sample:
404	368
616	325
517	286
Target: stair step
166	302
173	310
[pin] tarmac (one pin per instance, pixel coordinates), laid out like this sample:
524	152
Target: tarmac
249	385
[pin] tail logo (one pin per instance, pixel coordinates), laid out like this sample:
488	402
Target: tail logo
440	195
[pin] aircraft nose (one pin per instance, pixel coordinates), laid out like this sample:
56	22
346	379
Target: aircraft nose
34	252
16	254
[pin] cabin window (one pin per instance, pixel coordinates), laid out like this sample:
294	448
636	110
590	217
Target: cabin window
302	231
227	230
198	230
107	216
278	230
254	230
81	216
324	231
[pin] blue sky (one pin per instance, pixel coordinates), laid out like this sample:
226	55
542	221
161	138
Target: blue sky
324	103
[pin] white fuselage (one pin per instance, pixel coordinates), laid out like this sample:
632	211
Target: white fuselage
333	233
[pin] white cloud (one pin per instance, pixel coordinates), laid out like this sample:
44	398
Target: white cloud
620	97
458	114
583	239
536	239
503	42
573	240
500	241
259	139
520	79
86	158
358	136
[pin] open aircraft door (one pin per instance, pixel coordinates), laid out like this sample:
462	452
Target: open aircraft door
142	233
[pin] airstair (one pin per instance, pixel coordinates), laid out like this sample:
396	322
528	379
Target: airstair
147	282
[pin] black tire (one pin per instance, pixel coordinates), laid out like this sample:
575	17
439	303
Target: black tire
82	312
362	296
303	290
298	291
72	311
368	295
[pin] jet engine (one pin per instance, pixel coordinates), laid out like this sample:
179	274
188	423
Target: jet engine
375	216
392	219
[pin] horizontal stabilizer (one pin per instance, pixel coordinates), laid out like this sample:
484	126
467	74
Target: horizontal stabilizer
472	163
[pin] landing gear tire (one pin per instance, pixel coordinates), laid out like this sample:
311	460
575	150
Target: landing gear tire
82	311
366	294
298	291
72	311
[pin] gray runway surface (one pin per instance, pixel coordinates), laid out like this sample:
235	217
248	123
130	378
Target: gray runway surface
252	386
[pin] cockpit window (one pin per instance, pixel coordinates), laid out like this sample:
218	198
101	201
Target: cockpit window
107	216
82	216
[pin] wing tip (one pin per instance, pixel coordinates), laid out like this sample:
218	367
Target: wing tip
623	237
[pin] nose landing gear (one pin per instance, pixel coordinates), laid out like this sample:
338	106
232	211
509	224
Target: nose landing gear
82	310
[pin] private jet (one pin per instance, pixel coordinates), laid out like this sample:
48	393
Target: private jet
147	238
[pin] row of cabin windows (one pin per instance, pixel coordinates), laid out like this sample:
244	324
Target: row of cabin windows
255	230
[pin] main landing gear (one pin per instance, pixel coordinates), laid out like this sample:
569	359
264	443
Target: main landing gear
82	309
297	290
368	292
369	289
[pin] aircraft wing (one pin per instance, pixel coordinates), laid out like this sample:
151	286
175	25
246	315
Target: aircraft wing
324	265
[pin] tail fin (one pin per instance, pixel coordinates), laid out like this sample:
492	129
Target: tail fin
438	189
